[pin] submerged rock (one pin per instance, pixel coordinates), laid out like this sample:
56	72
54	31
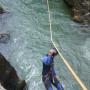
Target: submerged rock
8	76
4	37
1	10
80	10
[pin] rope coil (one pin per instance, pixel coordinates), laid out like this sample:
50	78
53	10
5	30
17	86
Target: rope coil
61	56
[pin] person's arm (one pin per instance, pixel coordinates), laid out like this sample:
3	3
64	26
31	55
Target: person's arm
47	59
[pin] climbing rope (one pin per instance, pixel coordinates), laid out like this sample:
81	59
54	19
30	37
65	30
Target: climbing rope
61	56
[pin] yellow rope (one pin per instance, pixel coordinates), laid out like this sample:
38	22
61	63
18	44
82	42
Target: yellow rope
62	57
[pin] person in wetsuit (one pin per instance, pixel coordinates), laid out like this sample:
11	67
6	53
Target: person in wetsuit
48	72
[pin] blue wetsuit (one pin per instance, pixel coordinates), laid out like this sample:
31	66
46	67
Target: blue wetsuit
48	73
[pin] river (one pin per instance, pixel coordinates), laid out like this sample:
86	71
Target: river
27	23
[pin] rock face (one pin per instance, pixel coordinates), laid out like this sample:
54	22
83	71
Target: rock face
80	10
8	76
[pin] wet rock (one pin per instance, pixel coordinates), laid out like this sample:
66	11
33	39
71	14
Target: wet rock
80	10
8	76
4	37
1	10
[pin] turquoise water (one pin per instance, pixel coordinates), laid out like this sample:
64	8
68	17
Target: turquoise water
27	23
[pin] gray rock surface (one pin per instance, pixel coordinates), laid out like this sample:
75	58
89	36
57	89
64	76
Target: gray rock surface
80	10
8	76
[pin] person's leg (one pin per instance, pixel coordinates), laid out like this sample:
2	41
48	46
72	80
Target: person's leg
47	83
57	84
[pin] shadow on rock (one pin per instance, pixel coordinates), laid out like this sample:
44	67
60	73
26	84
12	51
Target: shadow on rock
8	76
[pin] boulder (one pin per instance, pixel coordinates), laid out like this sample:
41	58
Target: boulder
8	76
80	10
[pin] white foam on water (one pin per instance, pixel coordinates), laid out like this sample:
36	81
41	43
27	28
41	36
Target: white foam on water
1	87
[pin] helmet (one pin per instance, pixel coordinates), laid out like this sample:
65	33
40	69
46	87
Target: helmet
53	51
